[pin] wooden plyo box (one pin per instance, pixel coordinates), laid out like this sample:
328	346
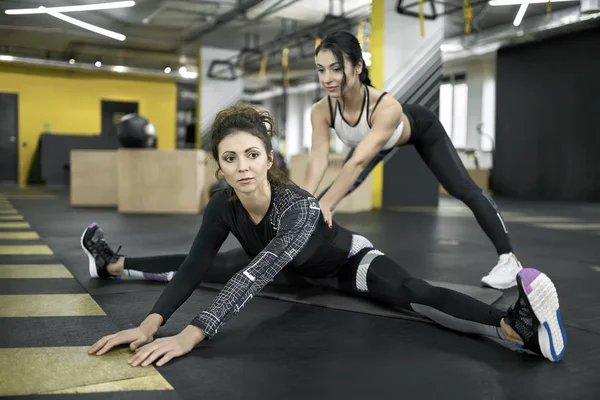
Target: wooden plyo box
161	181
93	178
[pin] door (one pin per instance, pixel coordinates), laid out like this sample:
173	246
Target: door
9	138
112	112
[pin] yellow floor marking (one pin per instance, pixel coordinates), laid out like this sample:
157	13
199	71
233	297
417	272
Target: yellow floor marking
11	217
12	225
535	218
24	196
570	226
33	271
44	370
146	383
19	235
25	250
48	305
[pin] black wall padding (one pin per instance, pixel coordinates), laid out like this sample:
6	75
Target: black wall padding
547	119
55	153
407	180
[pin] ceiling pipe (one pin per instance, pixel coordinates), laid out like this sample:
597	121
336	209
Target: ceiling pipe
537	27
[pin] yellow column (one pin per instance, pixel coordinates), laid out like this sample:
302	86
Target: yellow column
376	73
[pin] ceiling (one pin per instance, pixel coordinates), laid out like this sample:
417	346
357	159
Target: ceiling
163	33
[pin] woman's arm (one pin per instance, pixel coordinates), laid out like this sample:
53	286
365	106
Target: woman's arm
386	119
209	239
296	227
319	152
211	235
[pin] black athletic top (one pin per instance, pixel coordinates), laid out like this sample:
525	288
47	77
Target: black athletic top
292	234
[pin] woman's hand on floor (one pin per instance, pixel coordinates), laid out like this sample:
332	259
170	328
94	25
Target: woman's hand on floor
165	349
135	337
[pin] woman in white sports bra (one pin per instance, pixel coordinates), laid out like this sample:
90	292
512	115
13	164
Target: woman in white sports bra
372	123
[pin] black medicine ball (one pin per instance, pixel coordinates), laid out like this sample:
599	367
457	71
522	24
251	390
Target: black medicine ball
134	131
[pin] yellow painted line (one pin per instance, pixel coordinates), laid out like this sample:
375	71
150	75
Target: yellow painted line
445	210
30	196
538	219
12	225
33	271
570	226
48	305
45	370
5	212
19	235
146	383
15	217
23	250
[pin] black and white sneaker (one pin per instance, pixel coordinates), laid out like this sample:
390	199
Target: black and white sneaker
536	315
99	253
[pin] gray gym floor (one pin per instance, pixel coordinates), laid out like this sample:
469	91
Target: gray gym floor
278	349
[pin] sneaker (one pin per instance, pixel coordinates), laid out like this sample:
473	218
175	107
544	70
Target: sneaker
99	253
504	274
536	316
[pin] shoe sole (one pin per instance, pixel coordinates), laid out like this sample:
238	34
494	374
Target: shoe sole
512	283
91	260
543	298
499	287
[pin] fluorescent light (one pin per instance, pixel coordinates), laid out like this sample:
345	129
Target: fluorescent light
520	14
182	70
168	70
88	7
119	68
520	2
6	58
85	25
98	64
189	75
451	47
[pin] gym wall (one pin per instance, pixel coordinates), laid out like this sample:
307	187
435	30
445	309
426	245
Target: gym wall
69	102
547	142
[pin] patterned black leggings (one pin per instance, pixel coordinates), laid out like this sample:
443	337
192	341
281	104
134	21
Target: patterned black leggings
437	151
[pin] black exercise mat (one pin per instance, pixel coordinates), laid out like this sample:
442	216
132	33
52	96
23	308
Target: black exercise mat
329	298
120	395
54	331
40	286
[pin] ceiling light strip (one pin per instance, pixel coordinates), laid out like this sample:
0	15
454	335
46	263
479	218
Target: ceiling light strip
85	25
65	9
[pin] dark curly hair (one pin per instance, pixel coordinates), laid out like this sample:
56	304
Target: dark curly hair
247	118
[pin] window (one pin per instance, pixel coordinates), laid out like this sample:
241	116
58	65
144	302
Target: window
454	94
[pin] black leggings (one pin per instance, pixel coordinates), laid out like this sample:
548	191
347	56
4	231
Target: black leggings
437	151
368	274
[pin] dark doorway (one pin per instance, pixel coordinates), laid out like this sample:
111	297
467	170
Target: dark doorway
9	138
112	112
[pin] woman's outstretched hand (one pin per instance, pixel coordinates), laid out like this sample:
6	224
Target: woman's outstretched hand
327	214
165	349
135	337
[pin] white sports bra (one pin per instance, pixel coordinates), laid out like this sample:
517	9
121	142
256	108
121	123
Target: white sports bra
351	135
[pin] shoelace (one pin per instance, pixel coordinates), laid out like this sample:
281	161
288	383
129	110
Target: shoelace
104	249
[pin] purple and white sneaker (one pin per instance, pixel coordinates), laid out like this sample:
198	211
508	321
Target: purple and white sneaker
536	315
99	253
